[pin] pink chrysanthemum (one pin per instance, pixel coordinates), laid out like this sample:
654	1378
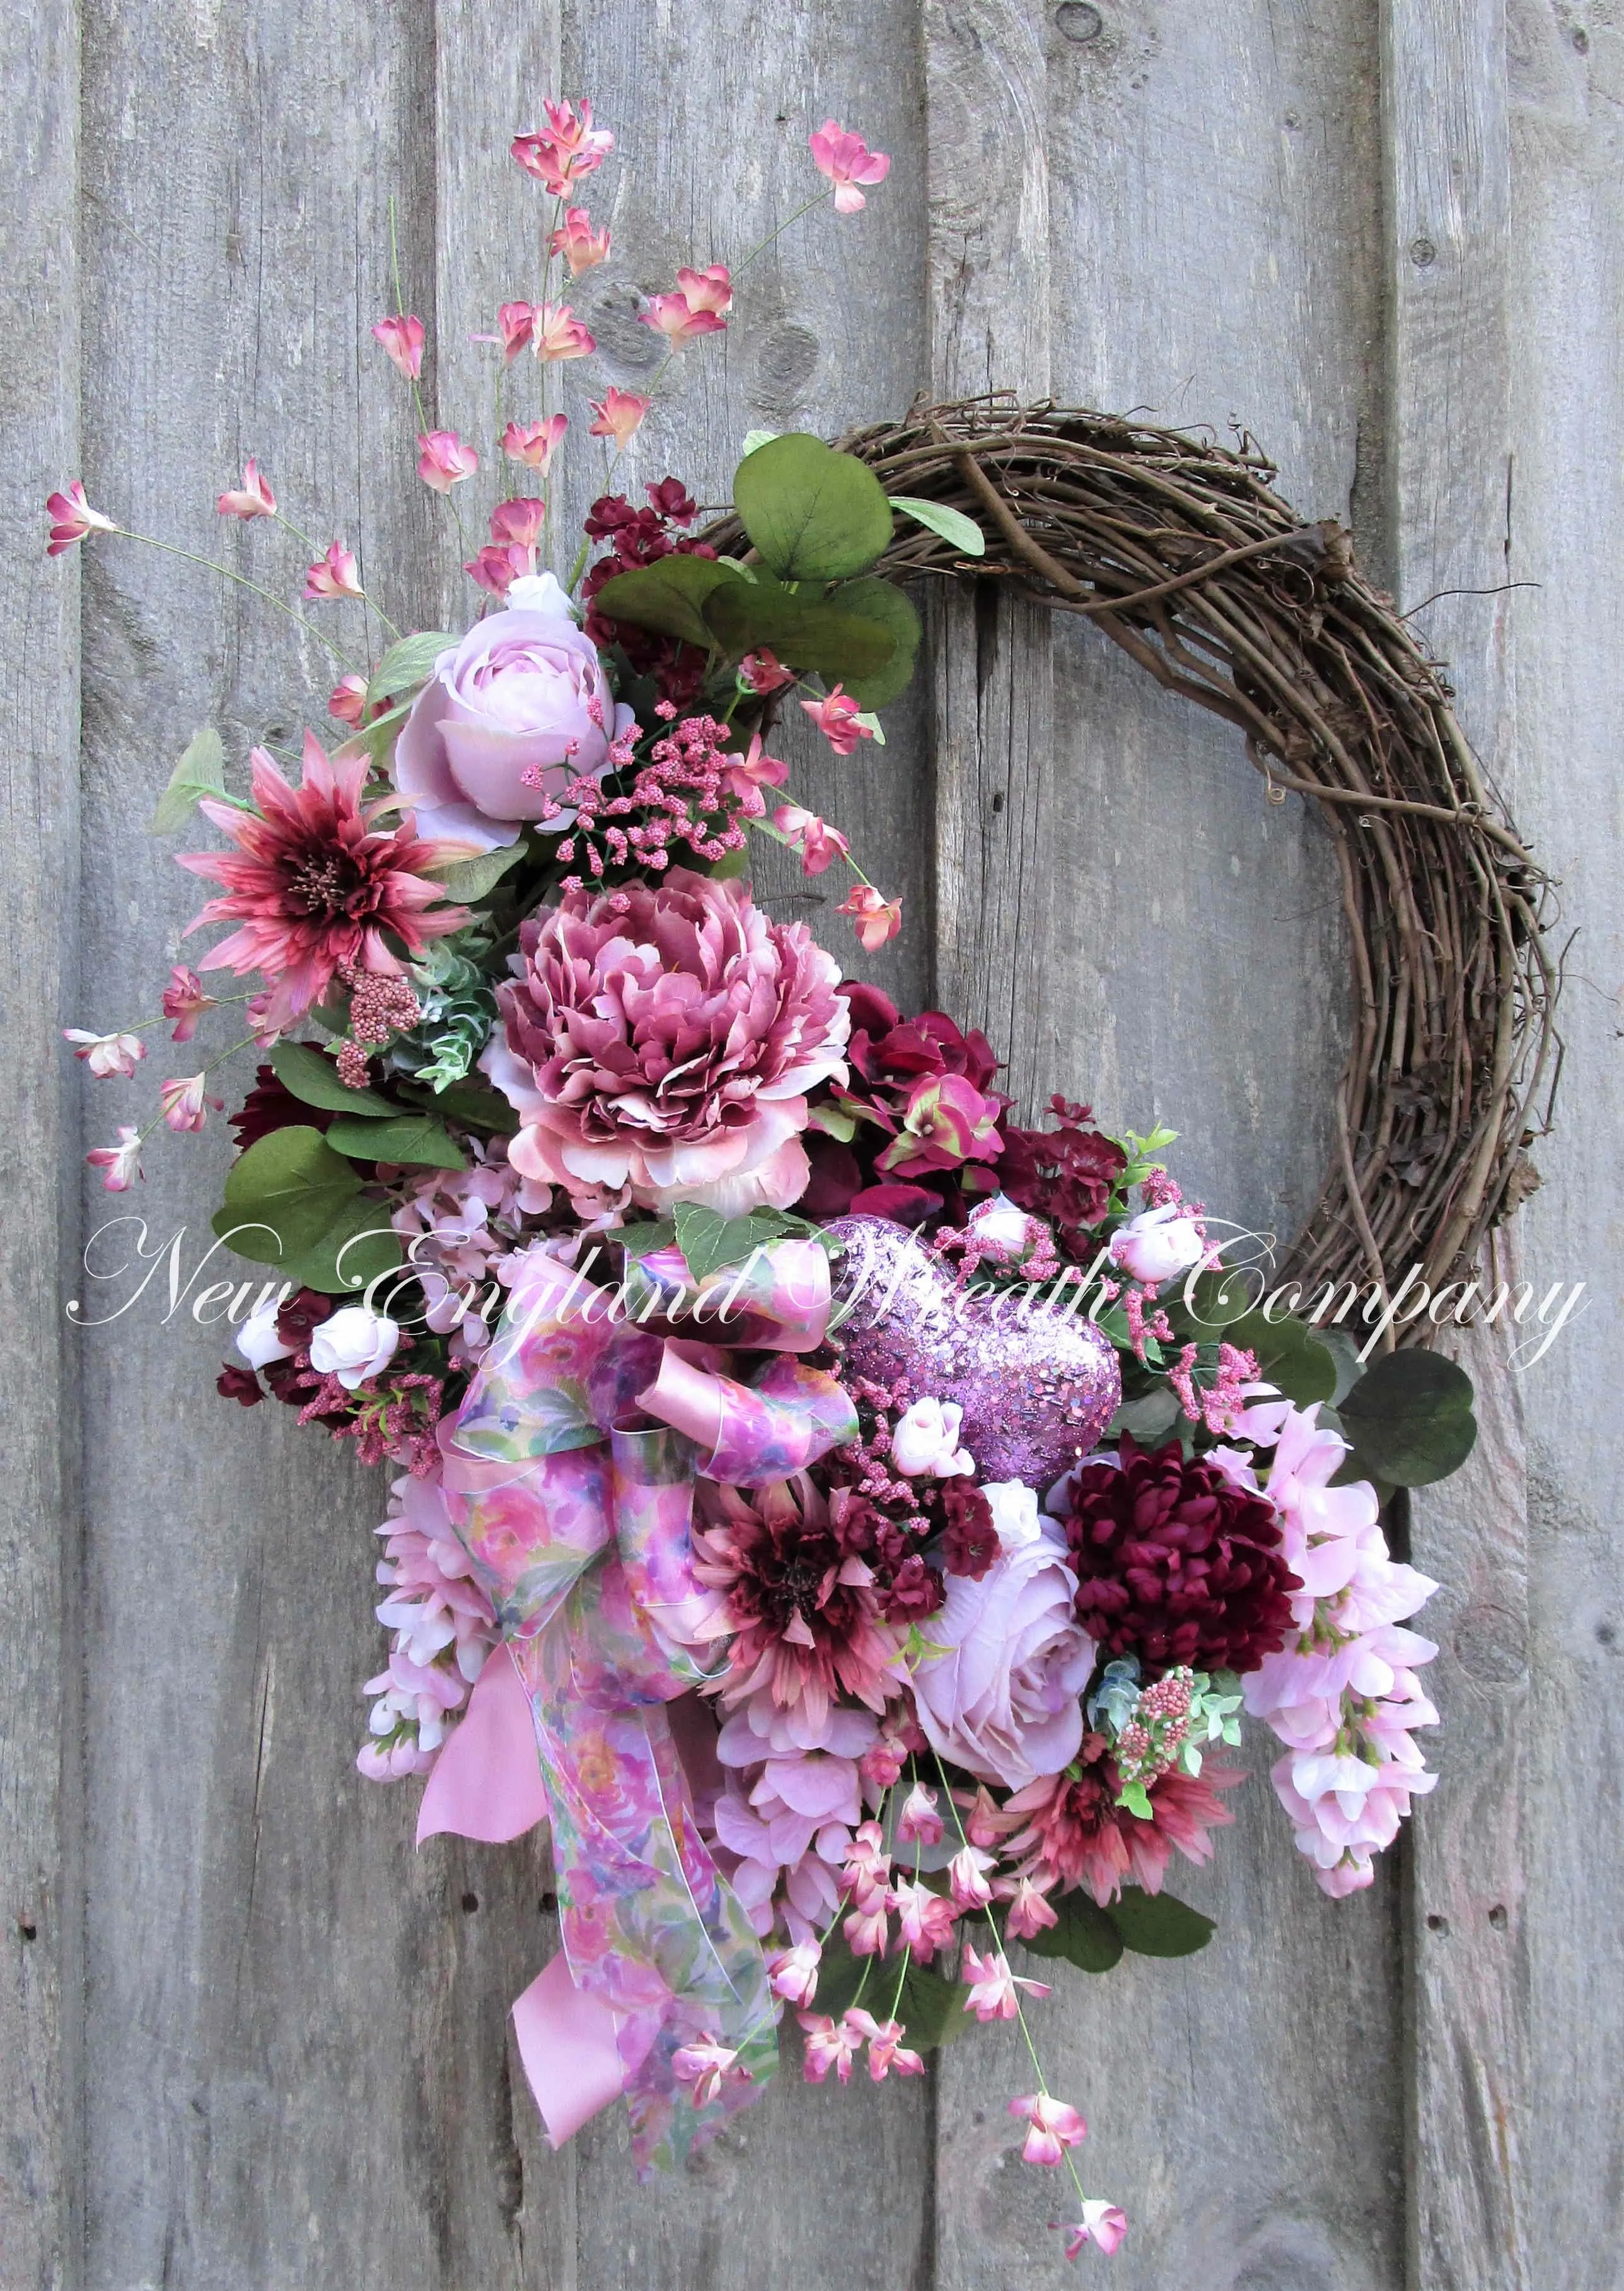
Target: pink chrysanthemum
1075	1834
314	884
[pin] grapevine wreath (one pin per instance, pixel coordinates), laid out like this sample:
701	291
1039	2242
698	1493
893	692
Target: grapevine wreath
852	1520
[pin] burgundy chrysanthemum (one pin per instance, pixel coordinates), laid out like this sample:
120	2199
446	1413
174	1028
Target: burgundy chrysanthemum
314	882
1065	1174
1177	1565
970	1544
804	1611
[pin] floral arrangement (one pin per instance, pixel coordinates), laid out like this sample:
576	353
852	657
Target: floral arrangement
854	1520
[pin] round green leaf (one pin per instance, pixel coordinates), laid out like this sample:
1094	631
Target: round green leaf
963	533
289	1188
410	1138
1156	1924
813	514
314	1080
1085	1935
1410	1419
883	604
1289	1354
357	1247
666	597
804	631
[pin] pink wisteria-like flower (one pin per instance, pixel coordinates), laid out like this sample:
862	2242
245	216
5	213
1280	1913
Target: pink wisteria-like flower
839	718
184	1104
534	443
565	150
993	1986
72	517
334	575
347	701
704	2067
253	498
185	1001
877	917
446	460
402	337
819	844
558	333
581	247
699	306
1051	2127
517	322
106	1055
847	161
120	1164
619	415
1101	2223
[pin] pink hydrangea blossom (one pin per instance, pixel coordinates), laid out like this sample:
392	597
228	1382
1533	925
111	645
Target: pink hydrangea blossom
534	443
847	161
334	575
619	415
254	498
402	337
612	983
946	1122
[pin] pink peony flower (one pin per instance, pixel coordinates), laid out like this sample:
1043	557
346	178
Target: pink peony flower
558	333
620	415
663	1036
254	498
106	1055
402	338
445	460
837	717
564	151
524	693
184	1105
121	1164
818	844
314	883
534	443
185	1001
347	701
1002	1699
993	1986
878	918
581	247
847	161
72	517
335	575
1053	2127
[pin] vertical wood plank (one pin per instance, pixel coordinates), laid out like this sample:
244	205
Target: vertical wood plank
1451	473
1177	956
39	418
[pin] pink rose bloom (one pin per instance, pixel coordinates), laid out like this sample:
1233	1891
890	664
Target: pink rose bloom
524	692
663	1036
1003	1700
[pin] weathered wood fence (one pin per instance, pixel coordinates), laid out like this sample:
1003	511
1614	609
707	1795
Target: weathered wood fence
249	2038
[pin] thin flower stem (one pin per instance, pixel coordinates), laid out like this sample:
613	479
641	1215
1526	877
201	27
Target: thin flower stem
303	538
173	549
140	1025
416	396
816	200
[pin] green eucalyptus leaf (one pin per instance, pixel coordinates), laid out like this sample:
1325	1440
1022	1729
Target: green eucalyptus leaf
314	1080
754	440
376	739
1149	1420
667	597
886	607
804	631
1288	1355
476	1107
467	881
961	532
1085	1934
407	663
813	514
201	771
291	1188
357	1247
1410	1419
414	1138
1207	1308
1157	1924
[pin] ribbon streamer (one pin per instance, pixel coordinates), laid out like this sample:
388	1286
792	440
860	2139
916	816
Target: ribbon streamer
577	1512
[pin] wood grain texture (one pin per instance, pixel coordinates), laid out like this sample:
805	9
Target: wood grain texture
39	1714
1566	300
1451	475
1177	956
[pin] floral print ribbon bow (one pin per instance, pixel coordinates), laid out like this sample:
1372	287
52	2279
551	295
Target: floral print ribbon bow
569	1474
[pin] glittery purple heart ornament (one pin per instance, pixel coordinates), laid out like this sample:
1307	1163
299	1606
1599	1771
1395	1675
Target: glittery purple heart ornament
1037	1386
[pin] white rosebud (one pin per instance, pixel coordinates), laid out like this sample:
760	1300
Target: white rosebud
1014	1510
257	1339
1158	1244
925	1442
354	1345
1002	1228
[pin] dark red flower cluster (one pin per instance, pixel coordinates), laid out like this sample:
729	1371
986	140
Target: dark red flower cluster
888	1056
642	536
391	1418
1065	1174
270	1105
1177	1565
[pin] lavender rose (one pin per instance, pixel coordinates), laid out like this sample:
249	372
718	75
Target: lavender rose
523	689
1002	1699
662	1037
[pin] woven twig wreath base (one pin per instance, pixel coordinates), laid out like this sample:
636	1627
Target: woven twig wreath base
1183	554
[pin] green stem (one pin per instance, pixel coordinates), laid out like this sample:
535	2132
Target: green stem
173	549
417	394
816	200
140	1025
